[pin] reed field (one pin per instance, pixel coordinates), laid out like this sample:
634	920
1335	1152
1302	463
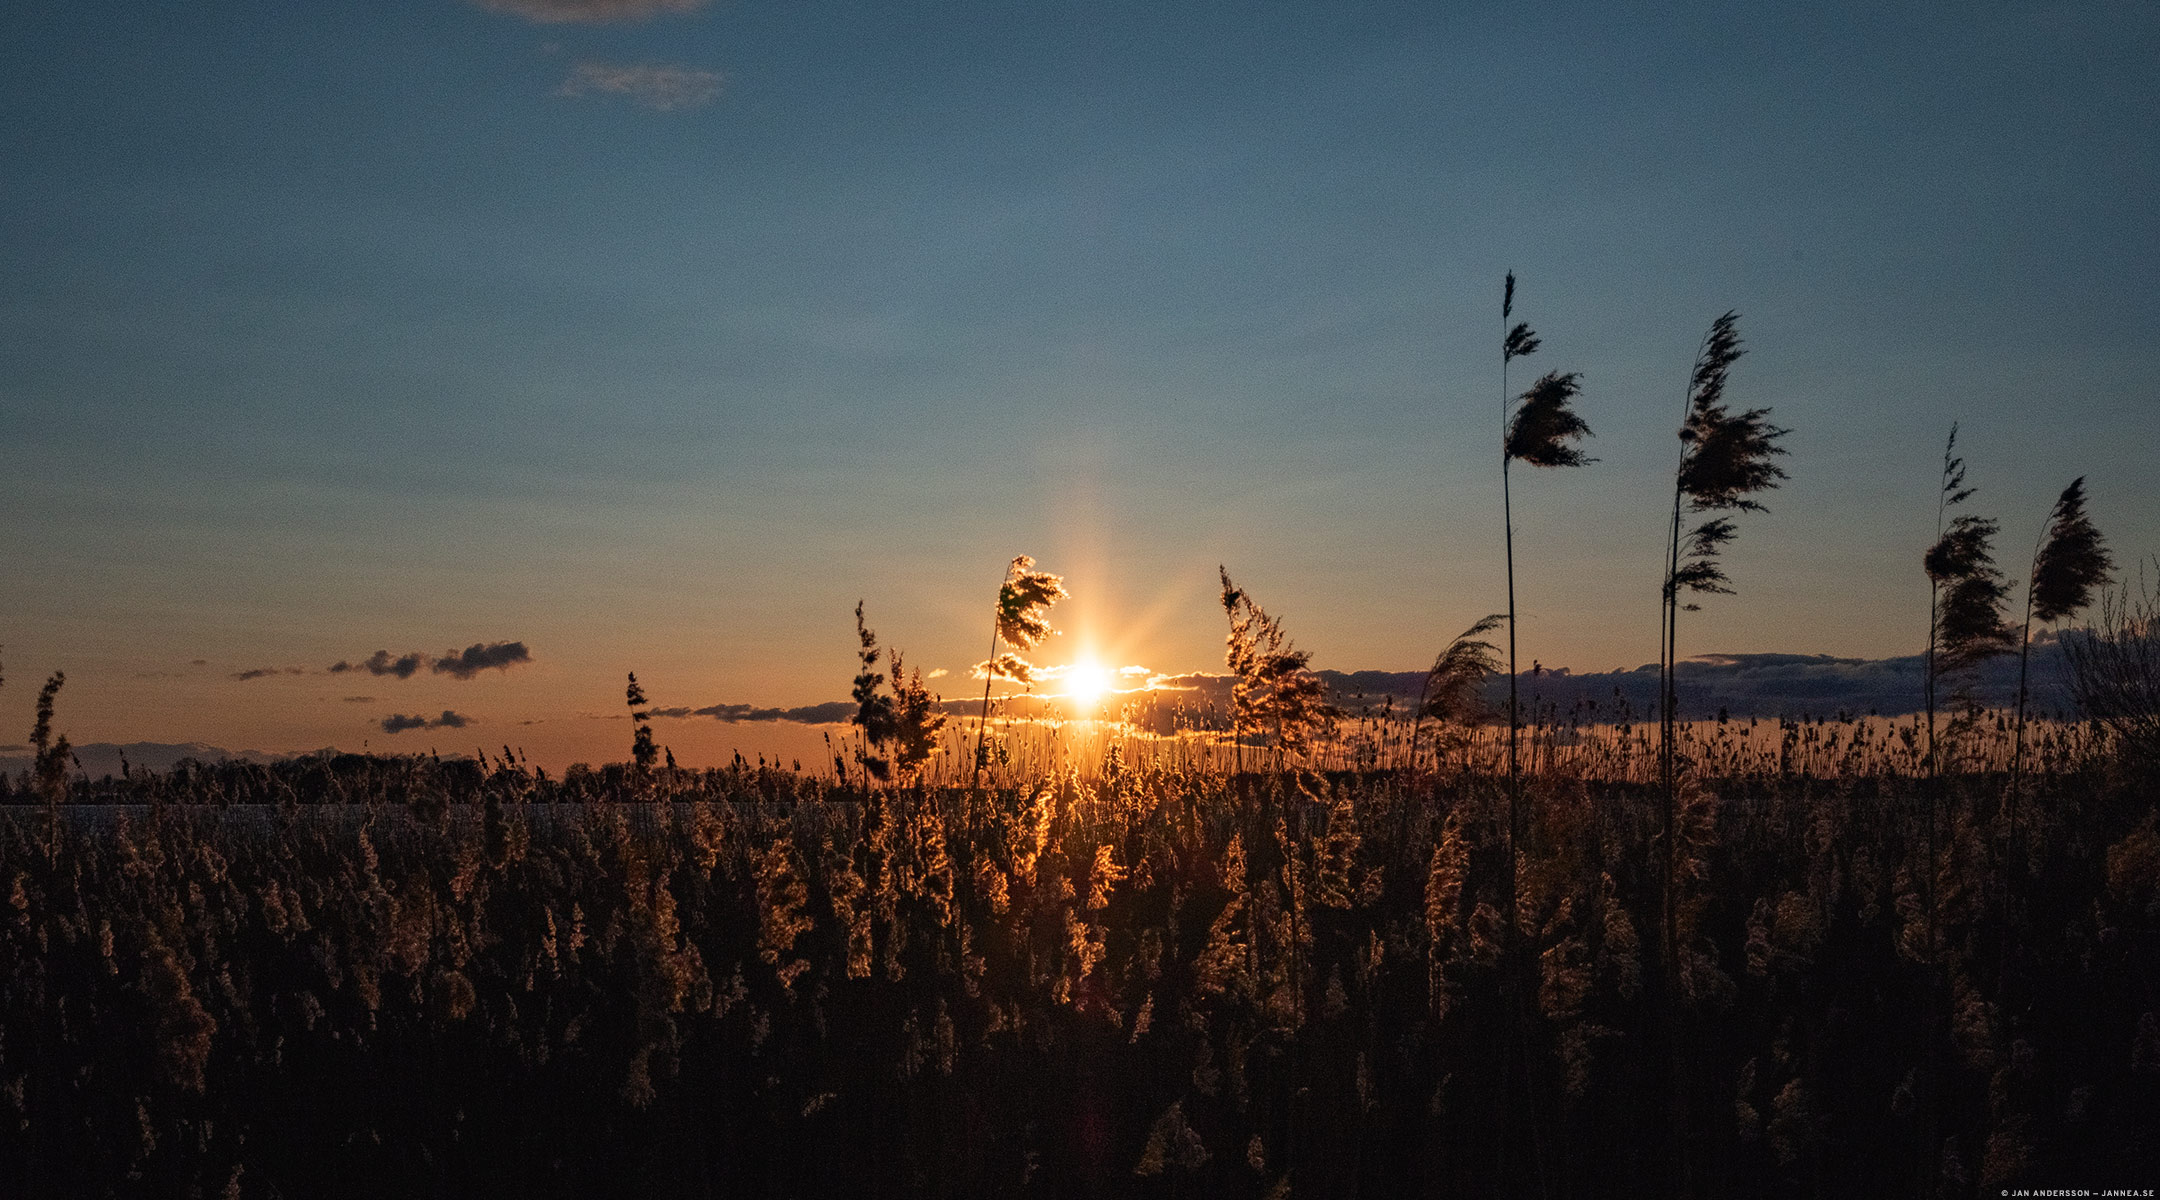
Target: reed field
1132	971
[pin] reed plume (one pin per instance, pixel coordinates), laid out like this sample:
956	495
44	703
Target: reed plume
873	709
1274	682
1022	621
49	755
1454	689
907	720
643	753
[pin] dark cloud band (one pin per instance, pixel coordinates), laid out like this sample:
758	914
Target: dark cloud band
380	663
458	664
481	656
399	723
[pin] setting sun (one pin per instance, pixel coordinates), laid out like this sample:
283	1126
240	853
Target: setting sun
1086	682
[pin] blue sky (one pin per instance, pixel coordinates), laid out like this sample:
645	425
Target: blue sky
657	342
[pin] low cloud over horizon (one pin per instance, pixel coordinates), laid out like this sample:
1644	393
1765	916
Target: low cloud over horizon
1738	685
481	656
380	663
398	723
458	664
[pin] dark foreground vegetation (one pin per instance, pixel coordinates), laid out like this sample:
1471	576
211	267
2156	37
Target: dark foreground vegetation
378	977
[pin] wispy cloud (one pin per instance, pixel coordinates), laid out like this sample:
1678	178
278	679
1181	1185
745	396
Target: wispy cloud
264	672
480	657
656	86
590	12
398	723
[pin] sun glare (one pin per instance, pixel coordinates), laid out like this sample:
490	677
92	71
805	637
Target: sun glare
1086	682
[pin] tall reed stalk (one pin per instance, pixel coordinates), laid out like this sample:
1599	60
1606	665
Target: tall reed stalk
2070	564
1022	621
1966	597
1726	459
1951	492
1539	428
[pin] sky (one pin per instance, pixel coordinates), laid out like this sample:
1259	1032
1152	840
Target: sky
652	335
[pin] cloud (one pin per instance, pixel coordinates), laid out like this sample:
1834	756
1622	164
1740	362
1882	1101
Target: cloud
397	723
479	657
359	699
380	663
458	664
590	12
832	712
657	87
262	672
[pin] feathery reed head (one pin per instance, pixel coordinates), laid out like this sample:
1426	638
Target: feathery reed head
1699	570
50	756
1024	603
1969	624
907	719
1520	342
1274	684
1544	424
1965	548
1954	491
1232	595
643	752
1454	686
1720	349
2073	561
1730	460
874	710
1728	456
